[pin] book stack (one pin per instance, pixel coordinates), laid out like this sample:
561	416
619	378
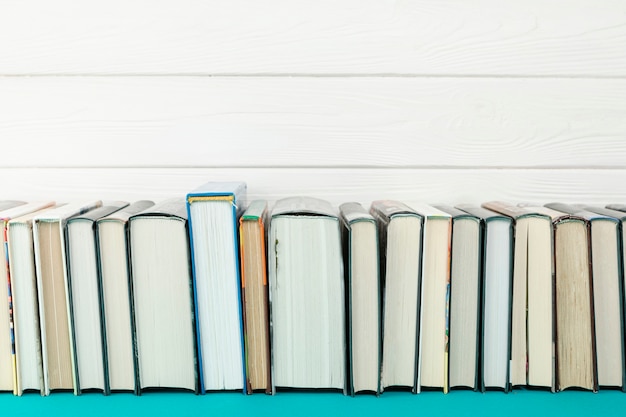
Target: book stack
211	292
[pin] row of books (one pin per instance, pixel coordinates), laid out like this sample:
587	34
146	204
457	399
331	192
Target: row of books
213	292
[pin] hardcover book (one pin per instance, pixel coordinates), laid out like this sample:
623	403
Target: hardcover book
163	297
118	330
464	301
496	296
363	303
307	295
84	292
432	369
214	210
573	306
255	297
532	321
400	235
8	353
606	282
57	337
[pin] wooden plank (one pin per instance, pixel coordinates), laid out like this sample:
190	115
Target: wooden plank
326	122
485	37
442	186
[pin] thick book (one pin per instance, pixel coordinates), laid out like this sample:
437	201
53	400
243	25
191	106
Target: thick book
84	289
432	368
255	297
214	209
532	321
118	330
400	235
57	337
620	217
163	297
497	277
575	362
606	282
363	301
464	300
8	351
307	307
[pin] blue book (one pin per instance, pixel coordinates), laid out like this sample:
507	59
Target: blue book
213	210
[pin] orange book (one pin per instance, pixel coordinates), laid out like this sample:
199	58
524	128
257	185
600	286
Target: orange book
255	297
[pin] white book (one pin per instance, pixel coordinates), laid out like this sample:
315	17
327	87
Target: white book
307	295
85	298
360	237
532	316
464	307
432	368
21	256
496	296
162	294
118	317
400	245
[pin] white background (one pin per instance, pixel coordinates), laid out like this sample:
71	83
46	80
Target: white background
440	101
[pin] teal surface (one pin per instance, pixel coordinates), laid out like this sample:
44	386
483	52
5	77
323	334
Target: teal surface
457	403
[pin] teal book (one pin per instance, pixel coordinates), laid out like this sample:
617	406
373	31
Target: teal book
363	298
214	210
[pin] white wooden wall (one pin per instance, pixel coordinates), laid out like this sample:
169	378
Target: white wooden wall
440	101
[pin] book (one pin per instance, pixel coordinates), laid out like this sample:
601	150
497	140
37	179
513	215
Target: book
620	216
6	350
363	303
307	307
9	353
606	283
84	289
432	369
163	297
575	362
214	209
497	270
118	330
57	336
464	300
255	297
400	235
532	321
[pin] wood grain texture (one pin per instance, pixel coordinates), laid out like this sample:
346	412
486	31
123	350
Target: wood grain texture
435	186
484	37
312	122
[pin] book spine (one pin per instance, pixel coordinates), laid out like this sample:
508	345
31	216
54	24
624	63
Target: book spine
10	303
131	301
103	330
199	373
239	294
67	277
